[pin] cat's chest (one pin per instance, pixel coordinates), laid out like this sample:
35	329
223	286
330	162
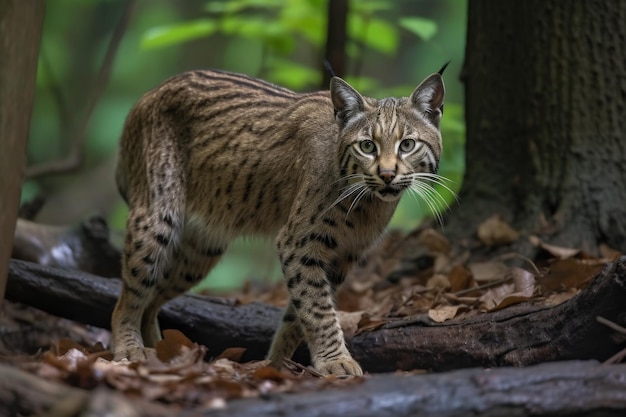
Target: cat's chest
362	226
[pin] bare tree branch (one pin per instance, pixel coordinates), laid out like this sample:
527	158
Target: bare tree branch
76	154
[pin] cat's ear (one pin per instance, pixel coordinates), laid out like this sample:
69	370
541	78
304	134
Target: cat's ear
347	102
427	98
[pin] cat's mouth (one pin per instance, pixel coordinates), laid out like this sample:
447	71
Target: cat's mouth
389	193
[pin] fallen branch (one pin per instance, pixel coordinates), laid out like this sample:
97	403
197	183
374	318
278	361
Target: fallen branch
516	336
561	388
86	246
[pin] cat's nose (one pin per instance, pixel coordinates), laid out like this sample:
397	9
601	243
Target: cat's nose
387	175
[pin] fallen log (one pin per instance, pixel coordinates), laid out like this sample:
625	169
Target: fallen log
214	322
86	246
560	388
516	336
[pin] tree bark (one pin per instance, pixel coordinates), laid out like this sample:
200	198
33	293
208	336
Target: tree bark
563	389
86	246
516	336
336	38
20	35
545	105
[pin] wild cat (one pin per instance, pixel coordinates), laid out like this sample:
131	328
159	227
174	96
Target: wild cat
208	156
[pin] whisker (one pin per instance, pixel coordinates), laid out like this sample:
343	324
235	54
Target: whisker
439	180
435	196
426	194
347	192
418	195
349	177
356	199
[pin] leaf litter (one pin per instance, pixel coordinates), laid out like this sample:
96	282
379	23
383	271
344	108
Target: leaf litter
176	374
417	278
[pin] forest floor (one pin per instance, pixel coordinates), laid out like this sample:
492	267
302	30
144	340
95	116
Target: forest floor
416	275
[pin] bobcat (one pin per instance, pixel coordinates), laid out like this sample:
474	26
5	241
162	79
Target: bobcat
208	156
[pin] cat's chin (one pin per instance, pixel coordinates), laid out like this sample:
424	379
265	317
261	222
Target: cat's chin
389	194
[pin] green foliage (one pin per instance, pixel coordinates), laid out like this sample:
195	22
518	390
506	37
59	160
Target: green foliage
424	28
174	34
374	33
280	27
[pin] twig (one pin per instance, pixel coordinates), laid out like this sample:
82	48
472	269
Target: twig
75	157
514	255
483	287
619	356
611	325
288	362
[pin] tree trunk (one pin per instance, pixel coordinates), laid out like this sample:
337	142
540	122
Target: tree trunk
20	35
336	38
545	106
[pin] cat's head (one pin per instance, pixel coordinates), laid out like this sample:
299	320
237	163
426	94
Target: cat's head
392	144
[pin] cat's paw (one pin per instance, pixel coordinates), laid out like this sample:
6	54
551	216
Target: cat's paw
134	354
340	366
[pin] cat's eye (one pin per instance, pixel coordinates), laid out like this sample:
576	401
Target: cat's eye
407	145
367	146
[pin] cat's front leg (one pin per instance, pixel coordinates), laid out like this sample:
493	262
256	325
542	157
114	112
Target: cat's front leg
307	262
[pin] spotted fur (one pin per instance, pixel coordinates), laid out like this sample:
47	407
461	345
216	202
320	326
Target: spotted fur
208	156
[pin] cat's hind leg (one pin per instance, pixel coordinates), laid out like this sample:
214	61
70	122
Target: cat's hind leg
191	262
151	239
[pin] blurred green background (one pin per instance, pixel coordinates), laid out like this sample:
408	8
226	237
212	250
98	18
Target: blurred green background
392	45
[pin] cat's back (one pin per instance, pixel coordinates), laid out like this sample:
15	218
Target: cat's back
207	104
240	140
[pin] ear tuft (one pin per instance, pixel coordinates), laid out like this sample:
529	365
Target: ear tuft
347	101
428	97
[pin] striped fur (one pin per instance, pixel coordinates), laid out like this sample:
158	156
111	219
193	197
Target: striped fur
208	156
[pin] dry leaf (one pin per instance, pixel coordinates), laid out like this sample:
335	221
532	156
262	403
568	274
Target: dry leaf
488	271
367	324
520	290
441	314
509	301
495	231
609	253
233	353
64	345
560	297
523	282
492	297
271	373
172	345
434	241
460	278
438	281
557	251
570	273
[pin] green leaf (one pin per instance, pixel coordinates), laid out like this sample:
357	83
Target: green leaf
271	32
292	75
161	36
371	6
234	6
376	34
423	28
